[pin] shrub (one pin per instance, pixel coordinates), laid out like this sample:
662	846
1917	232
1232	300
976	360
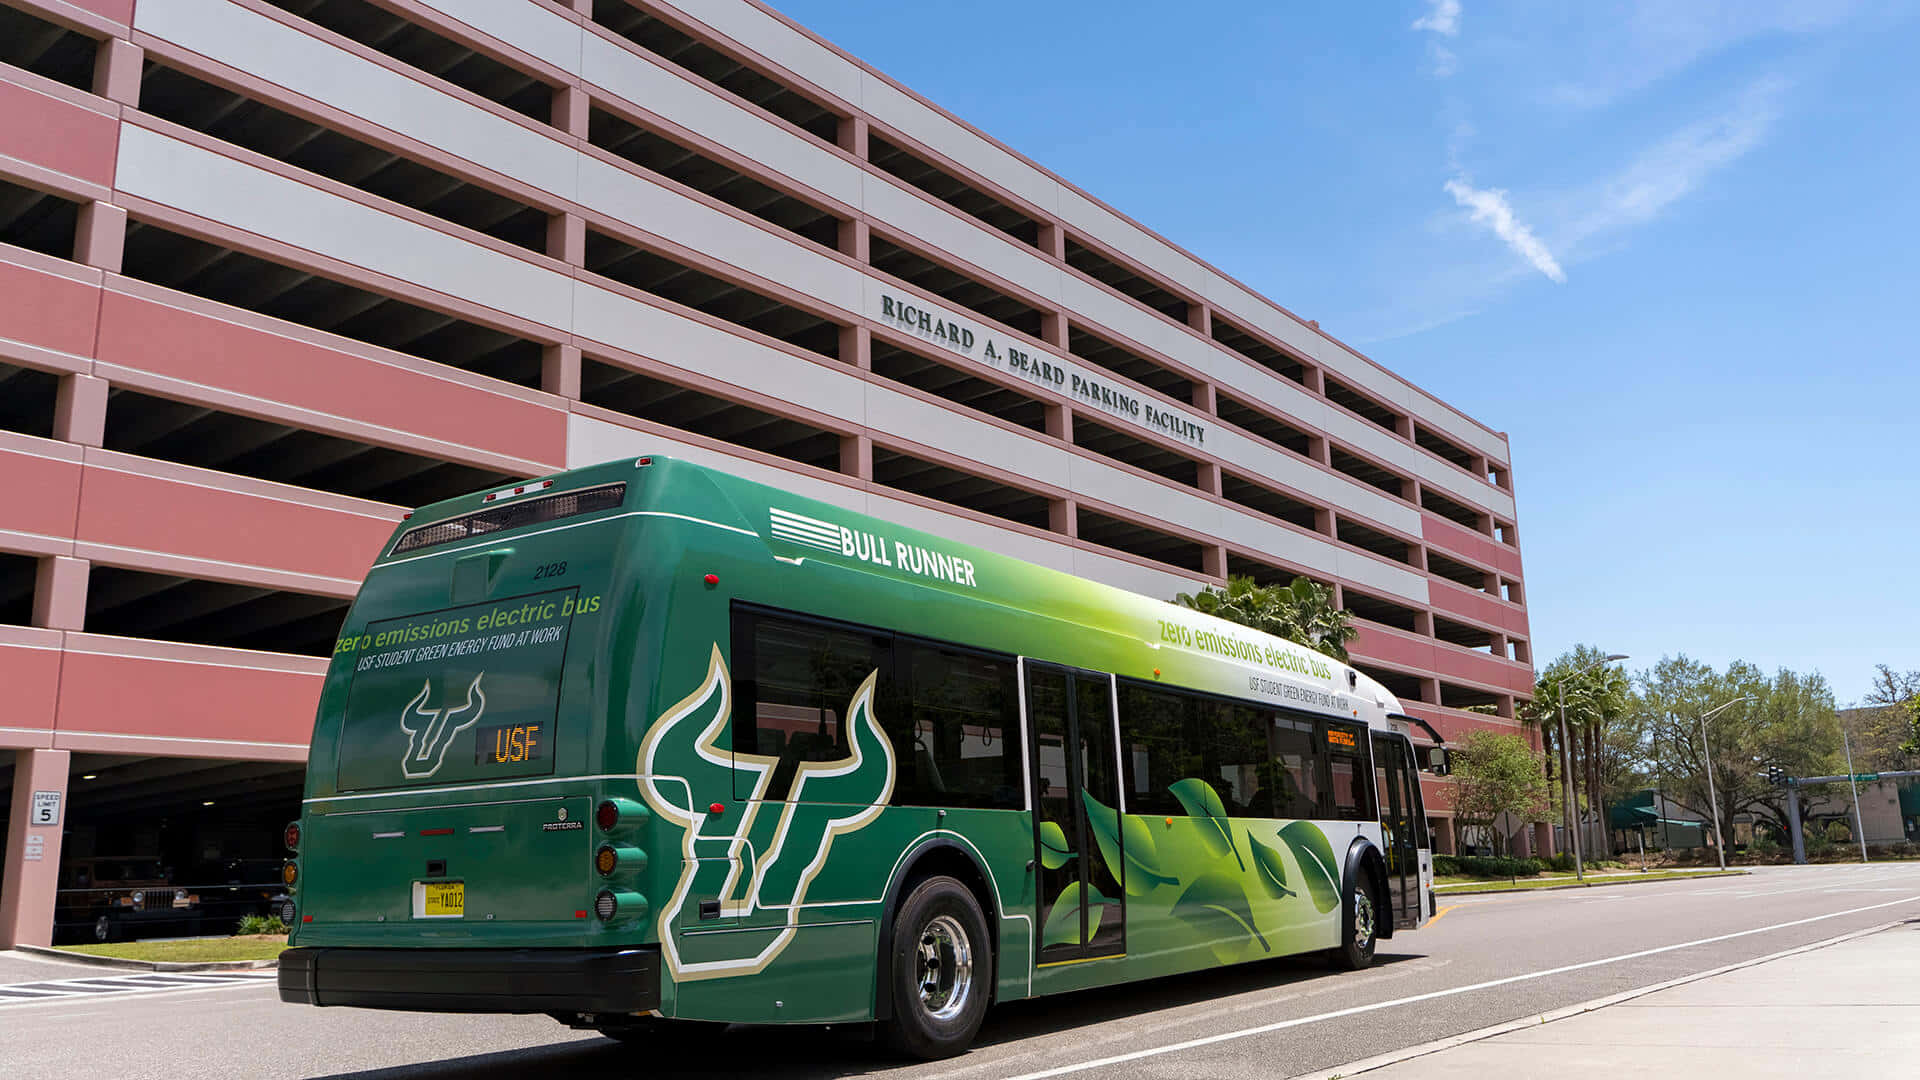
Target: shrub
1485	866
260	924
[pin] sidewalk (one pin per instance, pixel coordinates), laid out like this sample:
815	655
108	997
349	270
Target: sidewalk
1850	1010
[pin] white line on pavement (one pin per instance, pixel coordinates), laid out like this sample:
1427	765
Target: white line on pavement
1228	1036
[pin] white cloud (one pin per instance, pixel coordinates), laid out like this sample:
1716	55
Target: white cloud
1444	19
1445	63
1489	207
1676	166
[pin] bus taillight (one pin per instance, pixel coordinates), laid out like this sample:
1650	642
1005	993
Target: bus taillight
605	860
604	905
291	837
606	815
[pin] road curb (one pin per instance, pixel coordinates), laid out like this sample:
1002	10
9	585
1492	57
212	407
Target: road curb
1594	884
1395	1057
147	965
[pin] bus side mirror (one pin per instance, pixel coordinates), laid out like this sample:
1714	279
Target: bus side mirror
1439	760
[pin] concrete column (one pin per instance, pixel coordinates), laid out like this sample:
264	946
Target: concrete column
852	135
1060	422
856	456
80	410
1053	240
1053	329
1423	623
1200	317
856	347
1063	516
1430	688
1320	450
32	871
1316	380
1503	705
1323	521
60	592
1403	427
567	238
560	371
116	71
1206	398
584	7
1213	560
100	236
1207	477
855	240
571	110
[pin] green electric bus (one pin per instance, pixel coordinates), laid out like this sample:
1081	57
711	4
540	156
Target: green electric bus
646	742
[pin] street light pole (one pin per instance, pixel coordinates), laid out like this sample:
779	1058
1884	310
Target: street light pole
1566	764
1713	800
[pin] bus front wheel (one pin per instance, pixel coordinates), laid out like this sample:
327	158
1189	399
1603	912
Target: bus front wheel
942	970
1359	917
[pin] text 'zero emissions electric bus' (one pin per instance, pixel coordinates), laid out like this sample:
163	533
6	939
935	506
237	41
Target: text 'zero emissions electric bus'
646	742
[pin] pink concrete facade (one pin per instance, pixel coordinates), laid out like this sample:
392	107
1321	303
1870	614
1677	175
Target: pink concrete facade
1403	503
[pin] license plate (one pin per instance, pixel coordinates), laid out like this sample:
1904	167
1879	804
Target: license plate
439	899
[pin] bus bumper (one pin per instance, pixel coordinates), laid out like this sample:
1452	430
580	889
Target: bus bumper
474	980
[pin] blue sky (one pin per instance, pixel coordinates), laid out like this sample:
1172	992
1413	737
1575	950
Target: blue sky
1671	248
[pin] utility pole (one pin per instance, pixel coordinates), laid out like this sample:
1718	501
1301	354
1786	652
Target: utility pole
1859	823
1713	800
1566	763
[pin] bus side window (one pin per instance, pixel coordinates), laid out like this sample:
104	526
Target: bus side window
1235	757
956	737
793	683
1297	768
1349	780
1156	747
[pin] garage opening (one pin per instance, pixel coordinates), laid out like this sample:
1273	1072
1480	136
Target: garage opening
170	846
17	576
27	399
139	604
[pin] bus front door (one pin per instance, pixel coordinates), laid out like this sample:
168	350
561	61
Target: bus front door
1070	721
1394	776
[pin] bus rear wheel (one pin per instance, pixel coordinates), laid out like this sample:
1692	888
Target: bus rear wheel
942	970
1358	925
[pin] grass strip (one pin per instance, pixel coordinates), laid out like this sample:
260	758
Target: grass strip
1570	883
189	951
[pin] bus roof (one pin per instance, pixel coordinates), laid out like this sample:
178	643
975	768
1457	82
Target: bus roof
1189	648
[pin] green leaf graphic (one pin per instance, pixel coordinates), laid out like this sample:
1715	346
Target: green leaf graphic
1054	852
1063	919
1200	801
1216	905
1141	873
1315	856
1272	871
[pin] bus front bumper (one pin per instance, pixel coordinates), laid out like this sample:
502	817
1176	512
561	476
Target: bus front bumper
474	980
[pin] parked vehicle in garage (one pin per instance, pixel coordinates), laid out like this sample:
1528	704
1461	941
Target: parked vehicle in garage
121	898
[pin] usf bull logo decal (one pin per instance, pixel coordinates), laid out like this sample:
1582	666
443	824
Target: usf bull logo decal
759	857
431	731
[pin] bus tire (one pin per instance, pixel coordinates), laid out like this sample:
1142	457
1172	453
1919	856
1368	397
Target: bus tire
941	968
1359	922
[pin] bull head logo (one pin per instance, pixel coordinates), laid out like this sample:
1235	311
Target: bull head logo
761	856
431	731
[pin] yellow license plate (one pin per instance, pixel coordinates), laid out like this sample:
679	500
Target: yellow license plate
442	899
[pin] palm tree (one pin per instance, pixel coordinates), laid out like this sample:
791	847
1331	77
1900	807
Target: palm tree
1302	611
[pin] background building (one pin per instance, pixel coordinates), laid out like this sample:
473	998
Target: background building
273	271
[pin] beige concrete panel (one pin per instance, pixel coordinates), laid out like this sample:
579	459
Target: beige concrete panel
199	181
961	236
604	315
532	29
900	110
1401	581
281	54
940	425
719	117
666	213
779	42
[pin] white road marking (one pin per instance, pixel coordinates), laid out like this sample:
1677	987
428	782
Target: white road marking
1282	1025
133	982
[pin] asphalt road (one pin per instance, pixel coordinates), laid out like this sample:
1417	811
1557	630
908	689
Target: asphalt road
1485	960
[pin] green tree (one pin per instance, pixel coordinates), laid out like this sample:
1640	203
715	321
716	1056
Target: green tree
1302	611
1607	733
1884	739
1495	775
1789	723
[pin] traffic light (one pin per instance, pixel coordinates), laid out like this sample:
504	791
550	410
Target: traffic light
1776	776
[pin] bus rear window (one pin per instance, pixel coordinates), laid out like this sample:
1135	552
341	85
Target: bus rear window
460	694
512	515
